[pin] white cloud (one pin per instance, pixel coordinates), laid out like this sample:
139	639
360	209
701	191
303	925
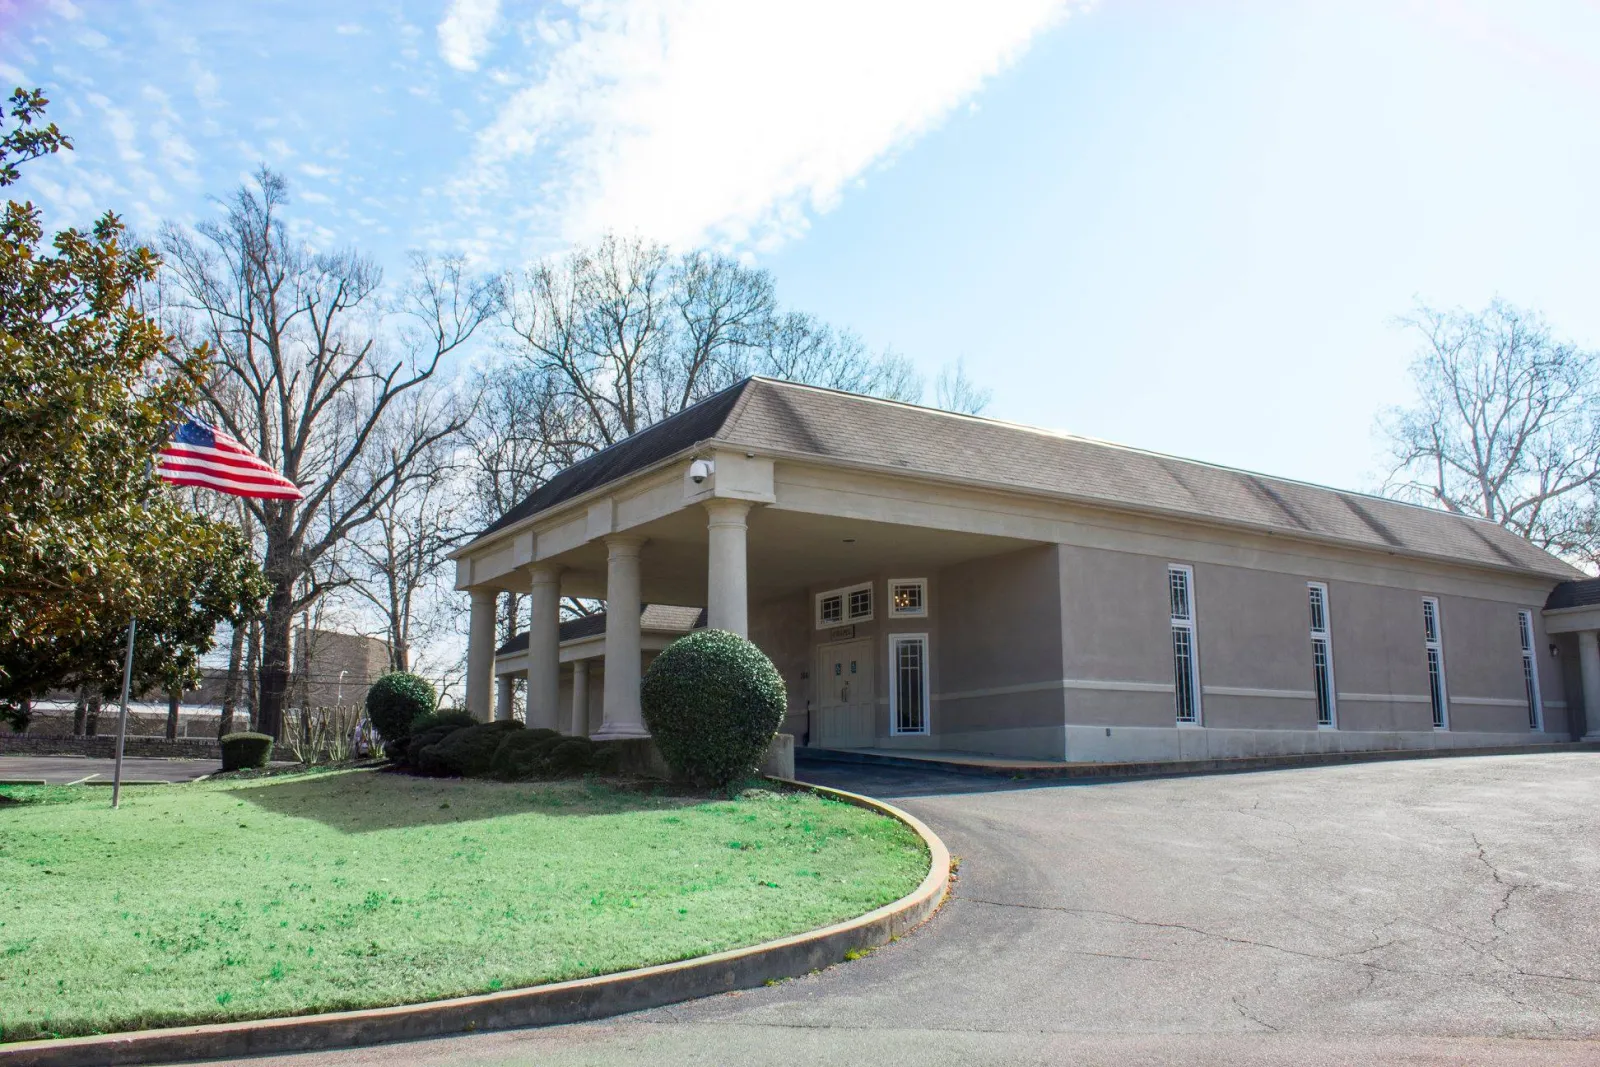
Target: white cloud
464	31
730	121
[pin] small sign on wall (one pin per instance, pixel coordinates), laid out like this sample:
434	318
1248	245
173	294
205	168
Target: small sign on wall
842	633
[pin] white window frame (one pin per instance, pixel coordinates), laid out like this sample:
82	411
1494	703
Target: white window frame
845	618
919	612
895	641
1325	635
1433	651
1527	637
1189	626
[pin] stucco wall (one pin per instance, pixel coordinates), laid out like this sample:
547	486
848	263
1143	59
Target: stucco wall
1254	646
782	629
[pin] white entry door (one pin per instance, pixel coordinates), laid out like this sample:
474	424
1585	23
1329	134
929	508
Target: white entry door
847	695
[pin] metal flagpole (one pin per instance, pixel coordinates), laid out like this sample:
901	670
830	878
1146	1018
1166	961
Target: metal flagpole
122	720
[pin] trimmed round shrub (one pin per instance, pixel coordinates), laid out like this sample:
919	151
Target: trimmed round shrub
466	752
397	698
243	750
426	739
713	702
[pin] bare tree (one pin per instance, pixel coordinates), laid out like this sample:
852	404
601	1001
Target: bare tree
1506	425
395	561
954	391
305	375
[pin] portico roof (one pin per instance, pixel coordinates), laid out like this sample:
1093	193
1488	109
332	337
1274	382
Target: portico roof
782	419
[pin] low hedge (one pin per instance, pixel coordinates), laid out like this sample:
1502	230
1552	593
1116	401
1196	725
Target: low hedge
435	719
467	752
243	750
530	754
713	702
396	699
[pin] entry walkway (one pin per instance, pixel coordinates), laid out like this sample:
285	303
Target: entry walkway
1427	912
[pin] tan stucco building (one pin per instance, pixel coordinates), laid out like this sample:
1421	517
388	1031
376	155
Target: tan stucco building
930	580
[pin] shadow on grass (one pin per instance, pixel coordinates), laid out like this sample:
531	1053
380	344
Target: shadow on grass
363	801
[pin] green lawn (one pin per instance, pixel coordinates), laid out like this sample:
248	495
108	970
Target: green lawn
318	892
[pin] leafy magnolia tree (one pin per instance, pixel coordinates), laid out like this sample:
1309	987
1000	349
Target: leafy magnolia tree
89	386
1506	426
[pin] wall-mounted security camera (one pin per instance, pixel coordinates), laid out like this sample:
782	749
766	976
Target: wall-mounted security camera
700	470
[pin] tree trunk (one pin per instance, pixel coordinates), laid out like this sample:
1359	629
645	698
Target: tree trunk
275	638
80	714
174	702
400	656
252	670
91	723
230	689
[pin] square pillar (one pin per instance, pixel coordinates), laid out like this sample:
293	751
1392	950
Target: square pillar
504	684
580	698
544	647
727	583
622	719
1589	668
480	653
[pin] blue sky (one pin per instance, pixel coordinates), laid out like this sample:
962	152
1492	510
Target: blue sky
1187	225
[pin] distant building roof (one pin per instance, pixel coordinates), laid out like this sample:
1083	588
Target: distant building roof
654	618
782	418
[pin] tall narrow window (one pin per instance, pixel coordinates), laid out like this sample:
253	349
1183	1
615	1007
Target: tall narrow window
1185	656
1321	654
1433	641
1530	670
908	683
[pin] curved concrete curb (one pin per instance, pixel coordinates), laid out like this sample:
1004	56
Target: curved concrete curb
546	1005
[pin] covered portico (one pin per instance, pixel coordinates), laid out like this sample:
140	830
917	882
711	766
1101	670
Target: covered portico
711	528
1574	608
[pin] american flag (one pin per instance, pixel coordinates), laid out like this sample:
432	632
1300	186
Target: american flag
205	456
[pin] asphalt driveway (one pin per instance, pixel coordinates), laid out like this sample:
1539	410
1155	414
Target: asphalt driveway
64	770
1436	911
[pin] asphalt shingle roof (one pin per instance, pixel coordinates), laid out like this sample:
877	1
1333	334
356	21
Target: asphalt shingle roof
658	618
771	416
1579	594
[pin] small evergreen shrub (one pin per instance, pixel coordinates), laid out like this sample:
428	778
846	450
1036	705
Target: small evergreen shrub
546	754
397	698
713	702
433	719
427	739
243	750
466	753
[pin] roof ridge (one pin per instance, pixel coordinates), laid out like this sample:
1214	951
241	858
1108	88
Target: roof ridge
1045	431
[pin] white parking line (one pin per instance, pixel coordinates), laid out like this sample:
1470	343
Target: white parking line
80	781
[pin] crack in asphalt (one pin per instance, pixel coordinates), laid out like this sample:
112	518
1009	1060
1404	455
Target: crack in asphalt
1511	888
1347	958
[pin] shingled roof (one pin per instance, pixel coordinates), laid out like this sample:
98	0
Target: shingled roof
653	618
775	417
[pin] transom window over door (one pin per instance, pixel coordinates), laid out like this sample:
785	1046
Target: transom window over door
1530	671
1321	653
837	607
1185	654
1433	642
908	683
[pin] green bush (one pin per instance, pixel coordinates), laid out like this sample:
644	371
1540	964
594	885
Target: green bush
397	698
466	752
713	701
243	750
547	754
417	742
434	719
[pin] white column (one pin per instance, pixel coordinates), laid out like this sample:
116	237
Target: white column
544	646
622	716
502	695
727	585
1589	666
580	698
480	653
